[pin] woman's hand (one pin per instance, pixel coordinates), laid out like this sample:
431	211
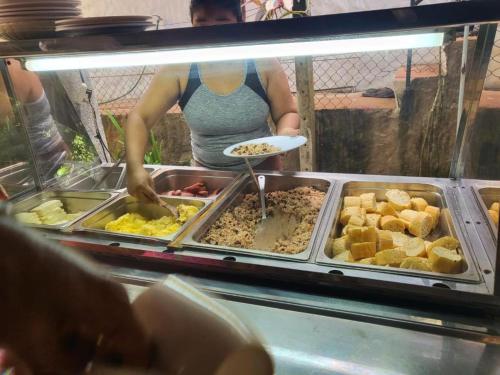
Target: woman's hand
58	312
140	185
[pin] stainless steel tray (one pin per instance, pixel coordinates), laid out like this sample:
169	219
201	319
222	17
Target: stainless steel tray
127	204
17	178
433	193
179	178
274	182
485	196
88	179
72	201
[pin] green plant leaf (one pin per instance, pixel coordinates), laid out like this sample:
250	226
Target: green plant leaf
116	124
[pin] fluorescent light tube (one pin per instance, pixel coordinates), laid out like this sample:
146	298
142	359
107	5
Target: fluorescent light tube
239	52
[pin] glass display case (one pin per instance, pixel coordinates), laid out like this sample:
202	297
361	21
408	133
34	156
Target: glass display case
393	195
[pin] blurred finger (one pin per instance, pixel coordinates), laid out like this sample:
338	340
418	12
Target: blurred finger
146	195
151	195
151	183
10	364
119	339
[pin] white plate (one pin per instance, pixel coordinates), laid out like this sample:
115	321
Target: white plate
88	21
119	24
104	27
38	8
39	3
34	25
66	13
285	144
41	17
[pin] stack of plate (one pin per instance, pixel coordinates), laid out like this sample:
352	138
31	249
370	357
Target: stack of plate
34	18
103	25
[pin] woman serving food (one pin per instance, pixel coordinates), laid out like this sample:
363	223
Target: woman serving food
224	103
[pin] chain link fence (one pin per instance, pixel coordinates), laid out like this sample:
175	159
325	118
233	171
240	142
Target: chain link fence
493	75
338	80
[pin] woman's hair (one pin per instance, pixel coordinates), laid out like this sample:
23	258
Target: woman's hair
233	5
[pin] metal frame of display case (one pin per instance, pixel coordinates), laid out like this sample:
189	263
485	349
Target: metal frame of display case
140	258
399	20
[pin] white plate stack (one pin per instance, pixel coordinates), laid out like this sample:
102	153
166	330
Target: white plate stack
28	19
103	25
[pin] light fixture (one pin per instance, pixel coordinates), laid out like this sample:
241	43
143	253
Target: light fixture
237	52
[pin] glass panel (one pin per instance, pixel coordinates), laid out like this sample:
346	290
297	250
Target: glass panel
387	112
482	156
59	139
16	174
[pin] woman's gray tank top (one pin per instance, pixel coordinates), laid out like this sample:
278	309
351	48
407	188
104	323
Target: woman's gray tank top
219	121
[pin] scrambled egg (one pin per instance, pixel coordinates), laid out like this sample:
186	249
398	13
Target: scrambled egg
134	223
186	212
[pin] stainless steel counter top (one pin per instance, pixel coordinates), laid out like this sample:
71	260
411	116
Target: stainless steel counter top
314	334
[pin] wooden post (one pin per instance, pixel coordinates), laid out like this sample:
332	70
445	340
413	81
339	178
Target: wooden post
305	96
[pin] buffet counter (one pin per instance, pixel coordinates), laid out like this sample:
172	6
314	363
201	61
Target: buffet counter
221	232
312	308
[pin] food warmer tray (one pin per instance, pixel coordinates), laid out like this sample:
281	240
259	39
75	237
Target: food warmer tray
432	191
485	195
17	178
85	201
179	178
88	179
95	223
274	182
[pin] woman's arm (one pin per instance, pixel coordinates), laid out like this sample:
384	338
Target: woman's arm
283	107
161	95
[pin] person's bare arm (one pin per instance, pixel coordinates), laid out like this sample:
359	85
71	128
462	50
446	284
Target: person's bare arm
26	84
283	107
161	95
62	305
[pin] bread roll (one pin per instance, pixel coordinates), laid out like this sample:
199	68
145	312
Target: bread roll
447	242
398	199
370	261
339	245
355	235
347	212
418	204
421	225
369	202
384	209
391	257
435	212
344	257
416	263
392	223
384	240
347	227
408	215
400	239
373	220
356	221
363	250
494	216
370	234
415	248
352	202
445	260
